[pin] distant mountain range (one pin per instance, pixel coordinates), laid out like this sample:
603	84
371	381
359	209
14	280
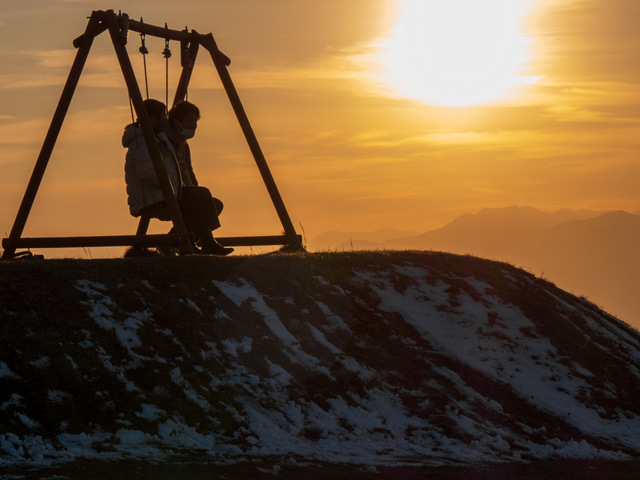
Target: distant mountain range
590	253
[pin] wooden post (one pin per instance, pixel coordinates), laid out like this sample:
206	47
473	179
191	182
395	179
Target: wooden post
209	43
185	76
53	132
147	130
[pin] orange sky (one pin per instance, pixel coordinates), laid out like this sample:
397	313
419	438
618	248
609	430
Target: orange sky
349	148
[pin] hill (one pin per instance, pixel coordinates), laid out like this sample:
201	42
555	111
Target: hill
359	364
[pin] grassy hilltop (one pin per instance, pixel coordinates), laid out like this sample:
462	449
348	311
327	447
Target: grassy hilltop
369	364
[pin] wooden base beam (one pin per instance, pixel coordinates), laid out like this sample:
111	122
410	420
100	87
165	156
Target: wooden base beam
10	245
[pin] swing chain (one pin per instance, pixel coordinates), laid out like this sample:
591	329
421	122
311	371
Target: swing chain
166	52
143	49
167	55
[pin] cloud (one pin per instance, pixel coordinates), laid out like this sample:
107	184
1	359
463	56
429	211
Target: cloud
588	40
21	133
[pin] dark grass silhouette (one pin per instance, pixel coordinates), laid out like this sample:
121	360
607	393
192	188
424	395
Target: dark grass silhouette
360	364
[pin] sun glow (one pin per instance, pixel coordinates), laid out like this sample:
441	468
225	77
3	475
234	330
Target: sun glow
457	52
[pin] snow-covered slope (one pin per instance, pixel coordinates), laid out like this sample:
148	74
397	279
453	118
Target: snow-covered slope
403	358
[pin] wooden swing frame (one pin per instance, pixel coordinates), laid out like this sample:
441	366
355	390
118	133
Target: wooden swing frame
118	26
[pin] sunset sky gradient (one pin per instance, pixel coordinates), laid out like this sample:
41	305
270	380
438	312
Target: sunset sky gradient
343	97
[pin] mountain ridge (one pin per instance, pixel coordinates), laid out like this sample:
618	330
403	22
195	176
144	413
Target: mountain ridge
370	359
560	245
516	217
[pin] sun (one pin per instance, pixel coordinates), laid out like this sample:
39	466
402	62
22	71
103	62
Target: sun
457	52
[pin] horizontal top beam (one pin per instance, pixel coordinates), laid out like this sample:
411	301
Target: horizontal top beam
185	35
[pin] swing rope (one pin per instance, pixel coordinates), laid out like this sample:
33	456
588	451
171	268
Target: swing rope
144	50
167	55
185	60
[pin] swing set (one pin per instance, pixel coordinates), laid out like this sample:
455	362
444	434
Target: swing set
118	26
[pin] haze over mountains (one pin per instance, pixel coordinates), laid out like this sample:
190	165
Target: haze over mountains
586	252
